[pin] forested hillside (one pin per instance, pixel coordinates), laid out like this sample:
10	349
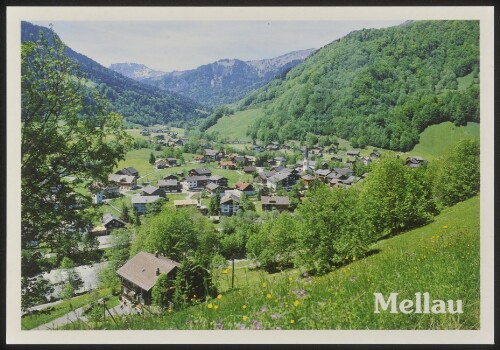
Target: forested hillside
137	102
379	87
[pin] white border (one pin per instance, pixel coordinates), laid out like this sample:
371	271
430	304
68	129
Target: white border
14	335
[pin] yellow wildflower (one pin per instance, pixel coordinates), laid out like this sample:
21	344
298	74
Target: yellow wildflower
264	284
353	258
216	307
445	226
225	271
296	303
292	321
219	296
245	318
211	323
269	296
244	306
210	305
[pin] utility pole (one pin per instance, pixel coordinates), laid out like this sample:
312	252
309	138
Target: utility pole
232	279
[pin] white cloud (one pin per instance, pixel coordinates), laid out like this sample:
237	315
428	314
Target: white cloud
180	45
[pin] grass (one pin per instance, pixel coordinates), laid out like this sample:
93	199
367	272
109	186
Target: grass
441	258
51	313
139	159
235	126
465	81
437	139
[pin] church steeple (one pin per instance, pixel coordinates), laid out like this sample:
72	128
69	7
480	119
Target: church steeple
305	162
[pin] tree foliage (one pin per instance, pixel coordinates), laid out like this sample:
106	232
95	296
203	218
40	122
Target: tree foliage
396	197
457	176
67	137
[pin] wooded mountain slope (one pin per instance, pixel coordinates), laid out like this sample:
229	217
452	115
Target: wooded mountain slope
378	87
137	102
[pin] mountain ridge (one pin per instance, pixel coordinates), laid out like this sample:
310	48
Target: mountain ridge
223	81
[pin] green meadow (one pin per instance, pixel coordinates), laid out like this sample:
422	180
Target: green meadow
441	258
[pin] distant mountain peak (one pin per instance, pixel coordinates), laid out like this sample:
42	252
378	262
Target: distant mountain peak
135	70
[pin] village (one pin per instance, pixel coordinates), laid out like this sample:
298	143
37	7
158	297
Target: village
229	176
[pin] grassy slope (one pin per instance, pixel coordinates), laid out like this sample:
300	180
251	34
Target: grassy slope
235	126
436	139
441	258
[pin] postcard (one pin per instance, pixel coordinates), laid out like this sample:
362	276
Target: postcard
263	175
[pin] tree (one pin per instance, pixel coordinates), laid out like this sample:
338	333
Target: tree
329	227
89	247
172	233
160	294
214	204
71	278
395	197
275	243
67	137
125	212
152	158
34	291
246	204
192	279
457	175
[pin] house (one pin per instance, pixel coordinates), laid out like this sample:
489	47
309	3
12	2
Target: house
97	198
279	203
200	172
145	132
229	204
353	153
322	174
170	185
139	203
366	160
307	178
161	164
263	176
249	169
196	182
375	154
153	191
124	182
229	165
239	160
185	203
285	179
218	180
250	160
199	158
212	188
138	276
245	188
345	183
278	161
343	173
210	155
414	162
171	162
110	222
130	171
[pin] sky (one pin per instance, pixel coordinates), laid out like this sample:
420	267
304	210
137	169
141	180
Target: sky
181	45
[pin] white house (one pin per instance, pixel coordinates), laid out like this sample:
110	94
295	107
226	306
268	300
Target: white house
229	204
139	202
